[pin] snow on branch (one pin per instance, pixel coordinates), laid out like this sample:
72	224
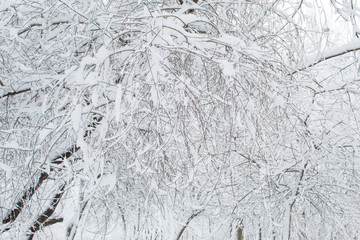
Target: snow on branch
195	214
15	93
347	48
44	217
14	213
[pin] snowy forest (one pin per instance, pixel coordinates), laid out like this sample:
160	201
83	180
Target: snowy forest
179	119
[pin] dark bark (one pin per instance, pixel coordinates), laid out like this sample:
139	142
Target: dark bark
20	204
14	93
239	234
188	222
182	2
191	10
44	217
53	221
349	49
96	119
71	230
60	159
14	213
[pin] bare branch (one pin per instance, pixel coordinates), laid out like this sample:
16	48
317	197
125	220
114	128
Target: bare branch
15	93
196	213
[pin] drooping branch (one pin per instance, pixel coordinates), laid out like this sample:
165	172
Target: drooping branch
106	32
38	24
44	217
347	48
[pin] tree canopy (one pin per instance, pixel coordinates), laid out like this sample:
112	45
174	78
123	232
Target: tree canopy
179	119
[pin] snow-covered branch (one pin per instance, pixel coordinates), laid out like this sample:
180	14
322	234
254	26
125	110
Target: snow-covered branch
337	52
45	217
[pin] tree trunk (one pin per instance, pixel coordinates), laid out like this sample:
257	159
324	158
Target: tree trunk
240	234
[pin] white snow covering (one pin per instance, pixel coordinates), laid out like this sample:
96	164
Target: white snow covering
227	67
7	169
108	181
76	117
314	59
118	100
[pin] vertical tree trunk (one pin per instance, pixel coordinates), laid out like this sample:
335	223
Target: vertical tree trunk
260	237
196	213
240	234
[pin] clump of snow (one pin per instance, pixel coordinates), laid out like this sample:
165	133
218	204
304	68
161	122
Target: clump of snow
108	181
7	169
76	117
227	68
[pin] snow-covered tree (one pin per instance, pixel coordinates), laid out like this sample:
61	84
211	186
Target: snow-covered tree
179	119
